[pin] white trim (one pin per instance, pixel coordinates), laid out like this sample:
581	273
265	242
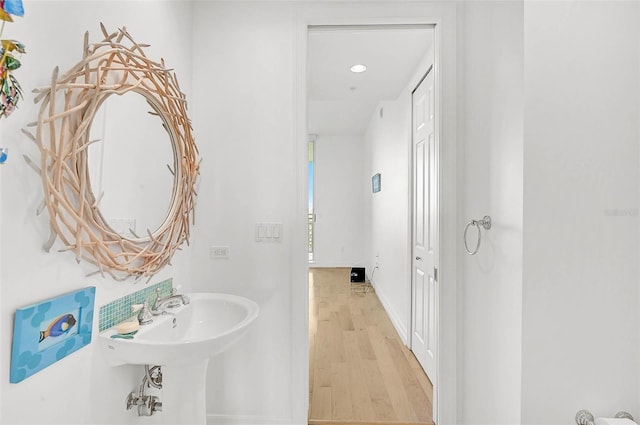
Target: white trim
322	265
393	315
446	399
299	247
245	420
444	17
369	27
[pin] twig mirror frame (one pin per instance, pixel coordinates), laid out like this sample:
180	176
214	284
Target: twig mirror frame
114	66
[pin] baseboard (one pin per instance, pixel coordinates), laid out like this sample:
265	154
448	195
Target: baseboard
393	315
332	422
246	420
323	265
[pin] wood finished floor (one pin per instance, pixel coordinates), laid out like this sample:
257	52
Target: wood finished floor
360	372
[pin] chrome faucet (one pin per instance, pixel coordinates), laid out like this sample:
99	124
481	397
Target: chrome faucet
144	314
160	305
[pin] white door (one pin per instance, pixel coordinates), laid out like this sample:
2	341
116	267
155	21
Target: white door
425	227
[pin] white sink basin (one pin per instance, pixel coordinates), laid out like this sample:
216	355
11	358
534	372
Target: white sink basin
206	326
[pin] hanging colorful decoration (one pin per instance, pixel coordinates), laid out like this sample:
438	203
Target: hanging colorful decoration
10	91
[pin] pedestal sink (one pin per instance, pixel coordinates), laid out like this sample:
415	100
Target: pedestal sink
182	341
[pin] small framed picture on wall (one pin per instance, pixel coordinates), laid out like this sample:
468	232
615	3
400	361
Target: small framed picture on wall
49	330
375	183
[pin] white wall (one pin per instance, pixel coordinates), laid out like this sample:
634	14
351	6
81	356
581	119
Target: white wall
491	126
336	117
338	201
252	171
491	129
580	287
387	226
81	388
242	113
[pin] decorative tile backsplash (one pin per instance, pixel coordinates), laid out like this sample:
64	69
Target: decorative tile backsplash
118	310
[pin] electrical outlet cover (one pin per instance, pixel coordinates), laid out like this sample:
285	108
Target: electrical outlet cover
219	252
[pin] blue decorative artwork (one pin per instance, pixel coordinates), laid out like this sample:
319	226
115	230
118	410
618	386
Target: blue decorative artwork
45	332
375	183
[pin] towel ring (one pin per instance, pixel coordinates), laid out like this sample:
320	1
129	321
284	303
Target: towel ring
584	417
486	223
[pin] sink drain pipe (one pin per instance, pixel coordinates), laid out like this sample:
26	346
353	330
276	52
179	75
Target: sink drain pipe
147	404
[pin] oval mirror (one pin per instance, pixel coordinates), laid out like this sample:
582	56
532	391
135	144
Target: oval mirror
108	95
131	162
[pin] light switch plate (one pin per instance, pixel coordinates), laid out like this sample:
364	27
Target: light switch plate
268	232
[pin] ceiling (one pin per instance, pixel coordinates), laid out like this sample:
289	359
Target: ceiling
342	102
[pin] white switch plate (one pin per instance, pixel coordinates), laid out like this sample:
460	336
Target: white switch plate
219	252
268	232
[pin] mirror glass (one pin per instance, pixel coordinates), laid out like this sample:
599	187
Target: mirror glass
129	165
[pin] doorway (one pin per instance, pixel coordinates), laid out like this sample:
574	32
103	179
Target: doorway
360	104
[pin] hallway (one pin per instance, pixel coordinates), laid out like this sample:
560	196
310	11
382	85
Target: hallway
360	372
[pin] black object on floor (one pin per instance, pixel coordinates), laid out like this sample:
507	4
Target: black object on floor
357	274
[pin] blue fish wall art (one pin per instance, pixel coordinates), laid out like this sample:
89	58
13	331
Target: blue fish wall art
59	326
50	330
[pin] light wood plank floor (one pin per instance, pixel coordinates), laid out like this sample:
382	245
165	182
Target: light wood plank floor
360	372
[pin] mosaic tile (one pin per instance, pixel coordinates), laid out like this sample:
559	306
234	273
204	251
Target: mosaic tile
119	310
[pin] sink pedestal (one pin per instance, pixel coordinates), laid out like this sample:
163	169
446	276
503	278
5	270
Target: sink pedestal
184	394
182	342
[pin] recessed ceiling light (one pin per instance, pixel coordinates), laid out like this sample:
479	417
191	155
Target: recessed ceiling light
358	68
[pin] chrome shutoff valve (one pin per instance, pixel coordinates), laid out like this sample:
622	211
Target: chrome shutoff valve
147	404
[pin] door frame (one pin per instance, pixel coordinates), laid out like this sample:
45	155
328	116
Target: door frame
443	18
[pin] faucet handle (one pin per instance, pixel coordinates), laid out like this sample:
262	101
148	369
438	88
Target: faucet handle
158	296
174	290
144	315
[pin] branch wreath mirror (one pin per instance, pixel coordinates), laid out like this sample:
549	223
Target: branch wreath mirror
116	66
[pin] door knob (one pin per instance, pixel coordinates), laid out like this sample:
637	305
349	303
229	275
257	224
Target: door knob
418	258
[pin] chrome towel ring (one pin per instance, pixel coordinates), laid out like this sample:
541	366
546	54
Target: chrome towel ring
486	223
584	417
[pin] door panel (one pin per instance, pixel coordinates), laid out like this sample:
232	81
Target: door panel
420	237
424	342
418	325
